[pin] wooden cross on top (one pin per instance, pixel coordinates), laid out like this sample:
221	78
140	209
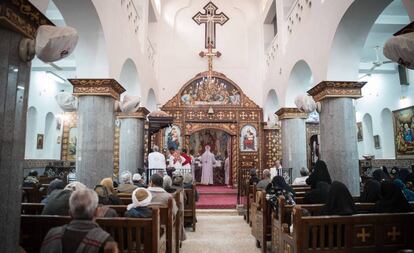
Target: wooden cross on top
210	18
210	54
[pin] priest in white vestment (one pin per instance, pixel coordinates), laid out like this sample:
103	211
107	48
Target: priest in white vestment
156	160
207	160
227	170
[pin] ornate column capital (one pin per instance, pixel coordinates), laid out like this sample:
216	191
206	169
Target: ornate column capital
291	113
97	87
22	16
336	89
140	114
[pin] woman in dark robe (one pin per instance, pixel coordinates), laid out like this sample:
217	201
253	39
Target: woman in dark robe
393	200
379	175
386	173
320	173
340	201
318	195
372	192
402	175
279	183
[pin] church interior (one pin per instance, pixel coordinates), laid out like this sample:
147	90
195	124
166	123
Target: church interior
170	126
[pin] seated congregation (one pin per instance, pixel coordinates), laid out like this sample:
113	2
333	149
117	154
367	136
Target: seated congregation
320	215
112	217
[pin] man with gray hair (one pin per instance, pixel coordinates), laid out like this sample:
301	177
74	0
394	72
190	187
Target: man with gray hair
304	172
156	161
265	180
126	185
82	234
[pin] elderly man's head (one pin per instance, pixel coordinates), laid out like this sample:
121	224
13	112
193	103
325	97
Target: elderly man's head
156	180
167	182
266	174
126	178
83	204
156	148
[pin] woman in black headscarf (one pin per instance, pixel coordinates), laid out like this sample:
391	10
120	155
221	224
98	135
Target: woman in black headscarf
403	175
379	175
340	201
372	192
320	173
279	183
393	200
318	195
386	173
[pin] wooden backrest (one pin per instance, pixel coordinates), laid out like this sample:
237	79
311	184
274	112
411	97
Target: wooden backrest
190	202
131	234
359	233
32	208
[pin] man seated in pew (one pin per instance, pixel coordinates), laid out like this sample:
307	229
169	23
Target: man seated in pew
254	179
58	201
167	184
265	181
126	185
103	203
371	192
141	198
159	195
55	184
304	174
393	200
319	195
188	184
319	173
112	193
340	201
138	181
82	234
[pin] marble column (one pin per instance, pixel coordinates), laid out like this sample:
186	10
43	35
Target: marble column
17	23
338	135
131	148
293	139
96	128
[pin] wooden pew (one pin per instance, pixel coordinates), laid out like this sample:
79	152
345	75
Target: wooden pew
261	227
167	219
355	233
190	207
252	199
128	232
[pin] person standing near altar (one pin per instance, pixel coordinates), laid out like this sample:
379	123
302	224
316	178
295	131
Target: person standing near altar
156	160
176	160
276	170
227	169
207	160
187	160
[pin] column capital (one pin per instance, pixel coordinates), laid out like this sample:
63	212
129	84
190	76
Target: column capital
291	113
336	89
22	16
97	87
141	113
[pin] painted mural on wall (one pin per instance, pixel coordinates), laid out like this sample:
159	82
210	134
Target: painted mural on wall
248	139
403	132
72	141
214	91
172	138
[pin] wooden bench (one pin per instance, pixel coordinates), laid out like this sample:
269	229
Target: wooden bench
143	235
190	207
356	233
261	223
167	219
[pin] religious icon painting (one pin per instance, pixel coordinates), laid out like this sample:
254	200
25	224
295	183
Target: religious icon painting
360	135
377	142
72	141
403	133
172	138
248	139
39	142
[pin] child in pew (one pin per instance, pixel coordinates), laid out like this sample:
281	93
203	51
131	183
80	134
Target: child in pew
141	198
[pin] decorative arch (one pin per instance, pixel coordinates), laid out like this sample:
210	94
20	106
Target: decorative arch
91	54
368	134
129	78
151	100
271	104
300	81
350	37
226	107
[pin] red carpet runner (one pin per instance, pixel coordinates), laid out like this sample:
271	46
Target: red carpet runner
216	197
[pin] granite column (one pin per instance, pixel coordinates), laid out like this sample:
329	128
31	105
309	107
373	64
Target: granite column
293	139
338	135
131	149
96	128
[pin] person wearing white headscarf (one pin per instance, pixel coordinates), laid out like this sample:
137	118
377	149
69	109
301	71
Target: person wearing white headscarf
207	160
141	198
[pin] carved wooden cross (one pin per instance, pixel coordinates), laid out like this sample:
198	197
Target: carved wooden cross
210	54
220	115
363	235
393	234
243	115
210	18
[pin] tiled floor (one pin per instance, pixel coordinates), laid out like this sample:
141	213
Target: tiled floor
217	232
